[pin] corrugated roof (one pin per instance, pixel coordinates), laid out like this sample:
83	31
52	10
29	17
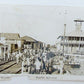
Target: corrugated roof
27	38
14	36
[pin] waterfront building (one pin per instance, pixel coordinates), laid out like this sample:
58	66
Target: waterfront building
31	43
28	42
4	52
73	42
12	40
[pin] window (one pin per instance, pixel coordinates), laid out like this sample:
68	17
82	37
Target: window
16	46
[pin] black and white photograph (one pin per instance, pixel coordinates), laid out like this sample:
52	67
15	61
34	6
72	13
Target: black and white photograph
42	40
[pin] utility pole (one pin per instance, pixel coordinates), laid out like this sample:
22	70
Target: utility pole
64	30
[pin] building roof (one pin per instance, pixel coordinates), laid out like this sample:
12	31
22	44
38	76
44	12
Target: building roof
77	32
40	42
79	20
29	39
74	33
14	36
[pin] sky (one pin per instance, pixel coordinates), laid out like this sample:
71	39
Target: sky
41	19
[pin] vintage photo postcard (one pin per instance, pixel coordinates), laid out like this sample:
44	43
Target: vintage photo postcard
42	42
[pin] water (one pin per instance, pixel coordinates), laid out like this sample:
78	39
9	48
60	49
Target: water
77	71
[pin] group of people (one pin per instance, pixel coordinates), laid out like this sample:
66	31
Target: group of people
36	62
